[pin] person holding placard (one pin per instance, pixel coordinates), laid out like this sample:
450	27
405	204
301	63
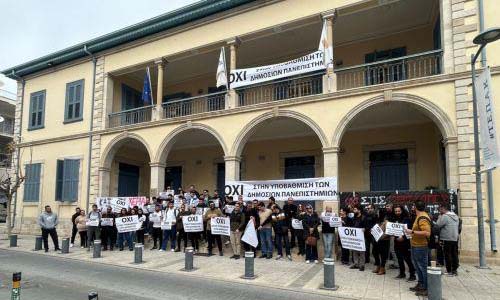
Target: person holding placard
280	226
194	237
381	247
290	210
143	219
370	218
108	230
124	236
358	256
402	245
155	218
212	212
265	231
311	223
344	253
181	234
237	223
74	229
299	233
81	225
169	227
327	231
93	229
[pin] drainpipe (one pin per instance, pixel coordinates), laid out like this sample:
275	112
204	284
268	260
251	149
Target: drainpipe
94	61
491	202
18	151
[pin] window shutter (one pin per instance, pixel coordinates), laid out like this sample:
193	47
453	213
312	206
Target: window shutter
75	173
41	107
32	183
70	179
59	180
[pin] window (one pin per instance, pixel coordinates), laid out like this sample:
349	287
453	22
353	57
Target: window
37	110
68	172
32	183
74	101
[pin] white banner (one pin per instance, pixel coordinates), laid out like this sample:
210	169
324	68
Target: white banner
297	224
192	223
335	222
228	209
487	127
92	222
305	64
220	226
352	238
107	222
395	229
377	232
323	188
250	235
117	203
127	223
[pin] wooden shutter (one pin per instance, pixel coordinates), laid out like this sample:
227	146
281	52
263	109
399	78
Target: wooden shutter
32	183
71	172
59	180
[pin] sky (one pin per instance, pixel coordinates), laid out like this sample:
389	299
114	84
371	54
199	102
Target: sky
32	28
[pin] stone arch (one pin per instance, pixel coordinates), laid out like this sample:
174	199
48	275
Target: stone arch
251	127
431	110
169	140
115	144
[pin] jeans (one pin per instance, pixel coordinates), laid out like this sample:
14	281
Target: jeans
359	258
93	233
169	235
280	238
420	256
328	239
236	242
451	256
311	252
125	236
266	239
53	235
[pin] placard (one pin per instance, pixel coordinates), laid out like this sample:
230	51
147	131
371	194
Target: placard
297	224
127	223
107	222
229	209
395	229
335	222
177	201
116	203
140	202
92	222
192	223
250	235
377	232
220	226
352	238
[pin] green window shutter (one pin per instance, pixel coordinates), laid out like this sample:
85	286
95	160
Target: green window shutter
74	101
37	110
71	171
59	180
32	183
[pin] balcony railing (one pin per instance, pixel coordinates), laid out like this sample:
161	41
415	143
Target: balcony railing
131	116
5	160
7	126
283	89
391	70
194	105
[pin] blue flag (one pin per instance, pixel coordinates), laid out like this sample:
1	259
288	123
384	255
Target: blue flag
147	97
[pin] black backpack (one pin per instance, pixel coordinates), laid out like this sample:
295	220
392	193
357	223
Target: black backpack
432	241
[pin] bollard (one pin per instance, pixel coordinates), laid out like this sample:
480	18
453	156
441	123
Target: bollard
97	249
188	263
93	296
13	240
434	287
16	286
249	266
329	274
38	243
138	253
65	246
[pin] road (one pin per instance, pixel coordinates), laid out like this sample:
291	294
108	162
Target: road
46	277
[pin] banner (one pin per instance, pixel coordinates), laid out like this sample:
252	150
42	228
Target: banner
127	224
377	232
250	235
486	114
117	203
138	201
297	224
192	223
305	64
352	238
323	188
220	226
395	229
335	222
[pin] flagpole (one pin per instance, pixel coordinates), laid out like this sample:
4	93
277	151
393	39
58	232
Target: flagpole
151	87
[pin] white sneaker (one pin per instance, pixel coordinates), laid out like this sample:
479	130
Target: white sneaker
289	257
71	245
308	262
278	257
172	250
161	250
82	247
316	261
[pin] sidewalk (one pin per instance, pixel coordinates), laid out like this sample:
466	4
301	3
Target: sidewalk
471	283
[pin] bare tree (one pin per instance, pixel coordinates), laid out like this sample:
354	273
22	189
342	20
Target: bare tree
10	182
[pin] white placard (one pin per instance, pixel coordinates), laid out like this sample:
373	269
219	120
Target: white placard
250	235
486	112
192	223
395	229
297	224
201	210
335	222
311	189
229	209
377	232
352	238
116	203
92	222
177	201
107	222
220	226
127	223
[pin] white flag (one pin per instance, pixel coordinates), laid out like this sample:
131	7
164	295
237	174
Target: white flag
487	127
221	69
325	47
250	235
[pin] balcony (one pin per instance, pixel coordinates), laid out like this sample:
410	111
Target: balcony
194	105
131	116
5	160
7	127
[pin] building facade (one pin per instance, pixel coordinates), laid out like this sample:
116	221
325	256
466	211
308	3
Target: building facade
393	113
7	109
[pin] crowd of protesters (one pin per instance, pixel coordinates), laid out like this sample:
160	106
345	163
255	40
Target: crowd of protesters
276	232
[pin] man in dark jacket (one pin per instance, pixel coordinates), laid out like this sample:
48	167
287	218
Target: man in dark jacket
358	256
74	230
108	229
311	223
370	221
402	245
290	210
237	221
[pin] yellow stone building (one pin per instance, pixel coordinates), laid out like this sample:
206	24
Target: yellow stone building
398	96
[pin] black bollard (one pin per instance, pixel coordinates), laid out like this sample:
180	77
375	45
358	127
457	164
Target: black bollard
38	243
138	248
249	266
65	246
434	287
97	249
329	274
93	296
188	263
13	240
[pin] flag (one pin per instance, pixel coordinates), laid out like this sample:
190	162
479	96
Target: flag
250	235
221	69
325	47
147	91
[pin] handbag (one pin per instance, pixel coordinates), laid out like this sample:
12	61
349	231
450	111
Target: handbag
311	240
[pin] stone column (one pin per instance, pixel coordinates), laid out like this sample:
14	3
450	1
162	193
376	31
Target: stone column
157	178
451	152
104	181
108	99
233	46
331	169
232	164
330	78
159	89
447	66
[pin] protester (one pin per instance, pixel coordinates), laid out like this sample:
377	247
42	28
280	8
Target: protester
270	202
370	219
181	234
194	237
48	221
265	231
74	230
124	236
280	226
344	257
143	220
402	245
290	210
448	224
108	231
93	229
299	233
212	212
237	223
311	223
155	218
420	232
169	234
81	225
358	256
327	231
381	247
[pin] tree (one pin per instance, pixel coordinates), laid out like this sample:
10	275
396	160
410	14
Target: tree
10	181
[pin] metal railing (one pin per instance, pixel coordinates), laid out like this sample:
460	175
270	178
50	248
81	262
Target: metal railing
194	105
5	160
391	70
131	116
7	126
282	89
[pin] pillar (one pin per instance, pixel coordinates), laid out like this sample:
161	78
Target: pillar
330	78
447	60
108	100
159	89
232	164
233	46
104	181
331	169
157	178
451	152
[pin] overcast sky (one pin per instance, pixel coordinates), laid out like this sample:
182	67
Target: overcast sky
32	28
